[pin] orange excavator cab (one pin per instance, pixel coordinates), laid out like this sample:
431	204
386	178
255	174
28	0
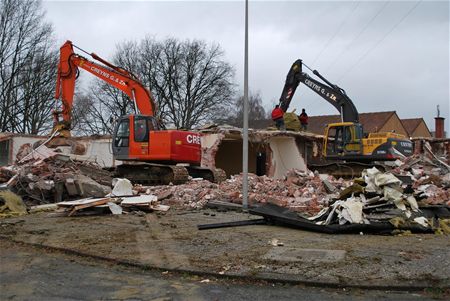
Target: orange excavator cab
138	137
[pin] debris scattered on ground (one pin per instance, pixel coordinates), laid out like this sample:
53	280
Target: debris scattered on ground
53	178
412	196
122	187
115	209
405	195
275	242
413	191
73	206
302	192
43	208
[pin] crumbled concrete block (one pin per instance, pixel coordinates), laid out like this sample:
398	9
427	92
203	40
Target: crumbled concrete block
328	186
90	188
71	187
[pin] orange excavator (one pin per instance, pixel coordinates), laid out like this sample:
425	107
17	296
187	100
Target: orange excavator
151	155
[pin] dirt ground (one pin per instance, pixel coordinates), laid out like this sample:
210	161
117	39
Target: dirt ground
171	241
33	273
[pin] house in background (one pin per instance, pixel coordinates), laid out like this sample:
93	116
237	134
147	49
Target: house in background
11	143
416	127
95	148
372	122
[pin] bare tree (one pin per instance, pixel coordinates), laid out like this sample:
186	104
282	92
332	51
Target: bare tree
95	111
235	114
27	67
190	80
190	83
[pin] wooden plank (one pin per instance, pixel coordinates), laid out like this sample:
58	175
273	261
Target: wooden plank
139	200
160	207
91	204
77	202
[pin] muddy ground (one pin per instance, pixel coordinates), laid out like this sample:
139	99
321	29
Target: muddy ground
171	241
33	273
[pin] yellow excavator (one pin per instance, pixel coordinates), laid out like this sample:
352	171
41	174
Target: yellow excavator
345	140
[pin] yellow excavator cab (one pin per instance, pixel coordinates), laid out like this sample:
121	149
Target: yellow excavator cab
342	139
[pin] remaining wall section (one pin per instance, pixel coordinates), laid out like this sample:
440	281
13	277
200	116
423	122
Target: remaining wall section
271	153
92	148
95	150
285	156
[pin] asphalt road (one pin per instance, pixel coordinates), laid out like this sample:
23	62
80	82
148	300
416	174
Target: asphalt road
30	273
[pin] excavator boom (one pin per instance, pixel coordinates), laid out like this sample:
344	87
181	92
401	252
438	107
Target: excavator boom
344	140
331	93
150	154
68	71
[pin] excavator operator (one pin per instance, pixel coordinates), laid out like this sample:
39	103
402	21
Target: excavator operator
141	130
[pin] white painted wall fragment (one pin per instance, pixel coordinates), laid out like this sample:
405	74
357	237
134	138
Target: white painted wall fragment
99	151
210	145
285	156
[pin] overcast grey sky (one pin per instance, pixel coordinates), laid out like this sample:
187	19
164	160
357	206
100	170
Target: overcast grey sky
387	55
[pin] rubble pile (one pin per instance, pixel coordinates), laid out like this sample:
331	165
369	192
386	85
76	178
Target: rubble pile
430	177
55	178
406	193
305	192
193	194
299	191
415	191
410	193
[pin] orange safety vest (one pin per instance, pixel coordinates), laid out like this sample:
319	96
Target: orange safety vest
277	113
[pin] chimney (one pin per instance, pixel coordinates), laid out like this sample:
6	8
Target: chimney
439	125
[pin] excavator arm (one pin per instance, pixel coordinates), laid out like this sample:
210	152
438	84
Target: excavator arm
331	93
115	76
344	140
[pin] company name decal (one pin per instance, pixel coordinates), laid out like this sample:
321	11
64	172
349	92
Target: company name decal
193	139
108	76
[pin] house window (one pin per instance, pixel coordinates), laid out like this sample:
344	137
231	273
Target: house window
4	152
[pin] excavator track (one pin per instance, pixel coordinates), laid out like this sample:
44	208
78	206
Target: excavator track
159	174
344	169
153	174
215	175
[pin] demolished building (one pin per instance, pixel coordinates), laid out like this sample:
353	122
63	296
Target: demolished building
271	153
279	176
90	148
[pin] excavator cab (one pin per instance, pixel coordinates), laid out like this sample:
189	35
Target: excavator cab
343	140
139	137
131	136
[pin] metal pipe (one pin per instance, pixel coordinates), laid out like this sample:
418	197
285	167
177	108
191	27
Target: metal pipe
136	110
245	113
